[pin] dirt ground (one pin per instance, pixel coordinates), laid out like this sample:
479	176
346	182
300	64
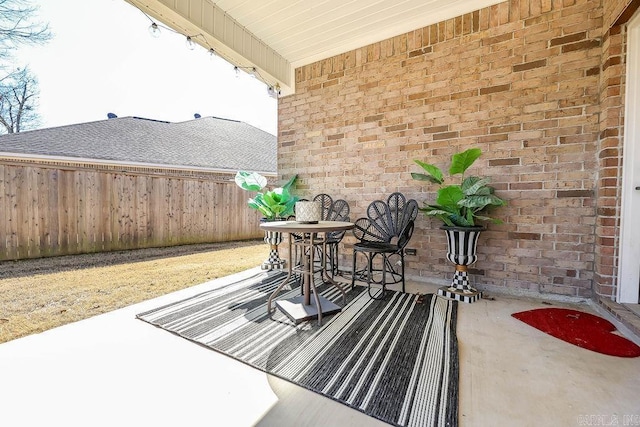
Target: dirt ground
37	295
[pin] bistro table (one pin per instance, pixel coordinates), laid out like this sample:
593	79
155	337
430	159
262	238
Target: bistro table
305	235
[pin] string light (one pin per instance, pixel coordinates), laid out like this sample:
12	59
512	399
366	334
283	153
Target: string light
274	91
252	71
154	31
190	43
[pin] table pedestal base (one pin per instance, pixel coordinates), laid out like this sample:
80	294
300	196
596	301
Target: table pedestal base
307	239
295	309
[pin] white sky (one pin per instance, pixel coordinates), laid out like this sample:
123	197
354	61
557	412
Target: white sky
102	59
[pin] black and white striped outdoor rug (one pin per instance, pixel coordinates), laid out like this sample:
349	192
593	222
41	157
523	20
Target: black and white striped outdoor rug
395	360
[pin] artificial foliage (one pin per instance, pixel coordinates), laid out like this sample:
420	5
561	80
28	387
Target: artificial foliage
460	204
272	204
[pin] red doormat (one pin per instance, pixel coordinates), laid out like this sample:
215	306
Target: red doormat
582	329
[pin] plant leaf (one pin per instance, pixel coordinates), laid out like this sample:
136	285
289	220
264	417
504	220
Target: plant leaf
289	183
460	162
290	206
473	185
433	171
450	196
440	214
492	220
253	204
250	181
484	191
478	203
270	198
459	205
424	177
258	203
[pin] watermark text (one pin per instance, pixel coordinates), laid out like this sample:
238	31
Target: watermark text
609	420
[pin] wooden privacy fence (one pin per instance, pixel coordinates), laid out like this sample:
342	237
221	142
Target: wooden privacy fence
51	209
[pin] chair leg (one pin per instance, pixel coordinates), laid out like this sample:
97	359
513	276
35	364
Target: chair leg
384	275
402	269
333	259
369	271
320	255
329	258
383	289
301	255
353	271
297	262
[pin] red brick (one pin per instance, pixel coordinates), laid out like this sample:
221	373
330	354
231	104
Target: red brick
587	44
530	65
568	39
494	89
445	135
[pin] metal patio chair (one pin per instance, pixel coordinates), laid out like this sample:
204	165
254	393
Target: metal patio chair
337	210
384	233
332	210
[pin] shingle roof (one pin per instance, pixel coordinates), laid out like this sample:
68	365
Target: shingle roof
207	142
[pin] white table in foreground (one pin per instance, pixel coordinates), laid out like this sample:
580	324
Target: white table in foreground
303	308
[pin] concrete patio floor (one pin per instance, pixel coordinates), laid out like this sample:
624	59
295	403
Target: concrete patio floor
115	370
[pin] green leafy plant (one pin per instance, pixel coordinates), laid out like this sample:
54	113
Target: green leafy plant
272	204
463	204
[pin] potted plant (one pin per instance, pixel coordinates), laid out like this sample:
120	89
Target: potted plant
463	209
274	205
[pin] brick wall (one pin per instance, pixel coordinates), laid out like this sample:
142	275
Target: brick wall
616	14
522	80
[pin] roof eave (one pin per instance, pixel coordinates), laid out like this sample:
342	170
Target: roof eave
115	163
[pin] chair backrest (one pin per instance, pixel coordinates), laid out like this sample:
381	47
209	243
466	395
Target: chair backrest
326	202
388	220
337	210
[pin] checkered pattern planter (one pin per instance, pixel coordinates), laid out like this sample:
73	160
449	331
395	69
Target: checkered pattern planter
273	262
461	251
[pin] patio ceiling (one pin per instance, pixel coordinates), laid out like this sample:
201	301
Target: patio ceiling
277	36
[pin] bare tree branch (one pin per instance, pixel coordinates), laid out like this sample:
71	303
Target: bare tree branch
16	27
18	102
18	88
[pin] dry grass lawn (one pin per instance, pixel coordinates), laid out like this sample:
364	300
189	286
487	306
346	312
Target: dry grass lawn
40	294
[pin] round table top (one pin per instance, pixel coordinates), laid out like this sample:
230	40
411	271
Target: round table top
298	227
